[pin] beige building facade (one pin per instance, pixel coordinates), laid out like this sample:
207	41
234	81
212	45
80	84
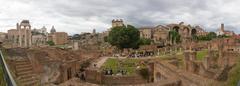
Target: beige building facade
38	40
160	33
117	23
60	38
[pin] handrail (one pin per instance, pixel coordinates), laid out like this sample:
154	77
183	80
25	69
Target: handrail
7	75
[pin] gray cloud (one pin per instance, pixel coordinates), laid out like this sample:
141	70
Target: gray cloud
76	16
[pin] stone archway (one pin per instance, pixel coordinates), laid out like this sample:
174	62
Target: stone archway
69	73
159	77
176	28
186	31
193	31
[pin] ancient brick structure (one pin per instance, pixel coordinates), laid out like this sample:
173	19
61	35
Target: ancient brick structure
189	61
22	36
3	36
97	77
69	70
59	38
160	33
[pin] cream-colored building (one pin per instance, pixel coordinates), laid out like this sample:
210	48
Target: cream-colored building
117	23
38	40
222	31
146	32
3	36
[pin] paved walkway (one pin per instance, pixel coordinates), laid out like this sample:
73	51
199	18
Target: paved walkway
100	61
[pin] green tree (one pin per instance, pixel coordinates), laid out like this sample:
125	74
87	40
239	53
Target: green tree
174	37
144	41
51	43
223	36
208	37
234	75
124	37
105	39
212	35
195	37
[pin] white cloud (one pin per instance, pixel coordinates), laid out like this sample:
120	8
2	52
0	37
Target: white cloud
76	16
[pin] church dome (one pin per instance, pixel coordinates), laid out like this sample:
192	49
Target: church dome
53	30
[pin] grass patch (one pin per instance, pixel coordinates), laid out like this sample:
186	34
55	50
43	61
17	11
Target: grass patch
2	81
234	75
201	54
128	65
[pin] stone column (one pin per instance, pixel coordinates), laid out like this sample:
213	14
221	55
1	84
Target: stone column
206	62
189	58
25	37
30	37
19	35
164	52
75	45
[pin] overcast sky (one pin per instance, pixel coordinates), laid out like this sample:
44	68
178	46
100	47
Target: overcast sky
76	16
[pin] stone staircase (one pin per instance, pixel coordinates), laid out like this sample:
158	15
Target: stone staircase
222	74
43	60
25	73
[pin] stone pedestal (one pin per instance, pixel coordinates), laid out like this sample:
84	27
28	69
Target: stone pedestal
75	46
189	58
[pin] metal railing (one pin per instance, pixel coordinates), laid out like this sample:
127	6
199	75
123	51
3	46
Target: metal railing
6	72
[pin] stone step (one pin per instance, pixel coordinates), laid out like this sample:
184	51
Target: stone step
22	63
23	66
24	69
27	79
27	76
30	83
24	60
25	72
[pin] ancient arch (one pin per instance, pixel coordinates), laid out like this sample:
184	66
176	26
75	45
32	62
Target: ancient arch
159	76
186	31
176	28
193	31
69	73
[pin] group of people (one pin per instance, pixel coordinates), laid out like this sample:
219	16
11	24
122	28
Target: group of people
141	54
110	72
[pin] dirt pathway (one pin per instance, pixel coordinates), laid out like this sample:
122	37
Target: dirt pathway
100	62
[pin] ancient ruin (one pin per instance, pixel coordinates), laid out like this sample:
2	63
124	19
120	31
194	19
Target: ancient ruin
88	59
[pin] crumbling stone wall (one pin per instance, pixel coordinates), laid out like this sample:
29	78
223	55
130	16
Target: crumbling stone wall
69	70
97	77
93	76
123	80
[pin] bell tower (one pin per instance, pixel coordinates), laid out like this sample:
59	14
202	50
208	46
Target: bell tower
117	23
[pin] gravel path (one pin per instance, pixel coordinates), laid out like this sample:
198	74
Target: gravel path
101	61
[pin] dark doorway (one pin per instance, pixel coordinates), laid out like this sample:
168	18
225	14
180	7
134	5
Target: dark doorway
193	32
69	73
176	28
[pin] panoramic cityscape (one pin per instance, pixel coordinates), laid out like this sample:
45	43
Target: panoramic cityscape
103	43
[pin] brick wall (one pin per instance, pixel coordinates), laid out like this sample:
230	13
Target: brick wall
95	76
